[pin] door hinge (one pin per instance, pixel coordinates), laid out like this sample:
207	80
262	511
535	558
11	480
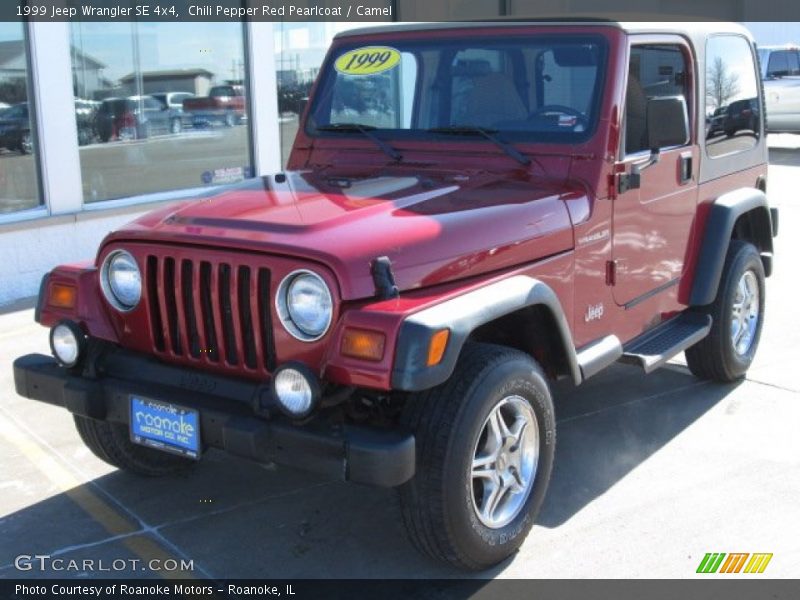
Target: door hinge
611	272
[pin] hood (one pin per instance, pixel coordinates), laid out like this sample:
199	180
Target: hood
434	227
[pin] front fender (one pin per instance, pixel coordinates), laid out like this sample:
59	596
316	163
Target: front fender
462	315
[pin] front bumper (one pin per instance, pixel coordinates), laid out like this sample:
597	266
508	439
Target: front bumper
227	419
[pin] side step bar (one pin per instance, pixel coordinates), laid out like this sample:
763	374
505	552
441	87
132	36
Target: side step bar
655	347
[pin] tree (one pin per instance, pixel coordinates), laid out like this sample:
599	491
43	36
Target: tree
722	84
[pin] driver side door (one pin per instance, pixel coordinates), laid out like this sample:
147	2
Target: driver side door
652	222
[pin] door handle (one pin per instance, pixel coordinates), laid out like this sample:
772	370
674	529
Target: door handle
687	165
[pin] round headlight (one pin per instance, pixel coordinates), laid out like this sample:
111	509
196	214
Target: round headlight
121	280
305	305
67	343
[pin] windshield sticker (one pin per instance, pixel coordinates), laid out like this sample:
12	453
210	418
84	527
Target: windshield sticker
368	60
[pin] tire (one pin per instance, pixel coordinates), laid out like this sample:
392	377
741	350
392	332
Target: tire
715	357
110	442
441	503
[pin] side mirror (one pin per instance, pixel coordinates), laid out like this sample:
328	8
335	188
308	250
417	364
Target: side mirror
667	122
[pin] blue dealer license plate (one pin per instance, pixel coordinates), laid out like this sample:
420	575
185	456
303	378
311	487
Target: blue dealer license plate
165	426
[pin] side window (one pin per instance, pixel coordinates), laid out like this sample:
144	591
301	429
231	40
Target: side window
654	71
732	103
783	63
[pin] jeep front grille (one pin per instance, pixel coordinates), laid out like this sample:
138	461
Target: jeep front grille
214	312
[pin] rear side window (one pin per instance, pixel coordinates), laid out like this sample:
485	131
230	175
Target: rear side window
732	103
783	63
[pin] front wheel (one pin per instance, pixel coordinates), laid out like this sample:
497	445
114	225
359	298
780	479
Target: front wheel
738	314
485	446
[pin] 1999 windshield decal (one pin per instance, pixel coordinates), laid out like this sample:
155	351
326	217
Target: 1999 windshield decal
368	60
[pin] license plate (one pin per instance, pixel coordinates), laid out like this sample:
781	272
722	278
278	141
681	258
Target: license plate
165	426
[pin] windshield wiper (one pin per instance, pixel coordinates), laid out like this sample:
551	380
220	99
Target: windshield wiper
488	134
366	131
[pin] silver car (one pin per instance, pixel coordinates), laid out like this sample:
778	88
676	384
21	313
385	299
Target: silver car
780	69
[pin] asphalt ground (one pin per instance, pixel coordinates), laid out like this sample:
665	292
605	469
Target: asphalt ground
652	472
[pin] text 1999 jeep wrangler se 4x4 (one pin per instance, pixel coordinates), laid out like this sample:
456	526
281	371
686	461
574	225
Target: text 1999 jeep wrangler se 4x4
469	212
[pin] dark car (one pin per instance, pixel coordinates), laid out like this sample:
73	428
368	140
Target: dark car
714	123
15	129
173	103
134	117
741	115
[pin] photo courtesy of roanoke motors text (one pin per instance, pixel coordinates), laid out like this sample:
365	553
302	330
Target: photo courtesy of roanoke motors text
397	299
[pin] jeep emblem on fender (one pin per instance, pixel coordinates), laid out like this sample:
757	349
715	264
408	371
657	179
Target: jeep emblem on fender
593	312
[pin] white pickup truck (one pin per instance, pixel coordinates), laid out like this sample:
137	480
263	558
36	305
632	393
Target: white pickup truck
780	69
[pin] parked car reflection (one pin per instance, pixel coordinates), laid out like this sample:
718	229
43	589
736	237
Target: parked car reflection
15	129
85	112
741	115
134	117
173	103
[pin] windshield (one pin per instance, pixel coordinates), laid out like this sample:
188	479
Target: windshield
531	88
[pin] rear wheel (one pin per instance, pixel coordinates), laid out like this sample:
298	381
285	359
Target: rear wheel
111	443
485	446
738	315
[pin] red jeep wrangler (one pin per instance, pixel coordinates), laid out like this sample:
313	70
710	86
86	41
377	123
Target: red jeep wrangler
470	212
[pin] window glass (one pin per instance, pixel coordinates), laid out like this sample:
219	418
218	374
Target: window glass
19	179
733	105
654	71
299	51
531	88
379	100
783	63
163	106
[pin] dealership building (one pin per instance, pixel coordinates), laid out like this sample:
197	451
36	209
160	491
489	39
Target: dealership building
66	181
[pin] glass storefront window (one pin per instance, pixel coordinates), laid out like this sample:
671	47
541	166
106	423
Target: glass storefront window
299	51
19	179
159	106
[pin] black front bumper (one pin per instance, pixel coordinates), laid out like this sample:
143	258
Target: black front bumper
227	419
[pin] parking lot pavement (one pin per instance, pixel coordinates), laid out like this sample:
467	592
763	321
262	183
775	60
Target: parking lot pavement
651	473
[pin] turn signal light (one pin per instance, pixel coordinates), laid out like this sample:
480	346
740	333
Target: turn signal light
62	296
437	347
362	343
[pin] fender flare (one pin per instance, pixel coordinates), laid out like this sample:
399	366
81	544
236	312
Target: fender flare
462	315
719	231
